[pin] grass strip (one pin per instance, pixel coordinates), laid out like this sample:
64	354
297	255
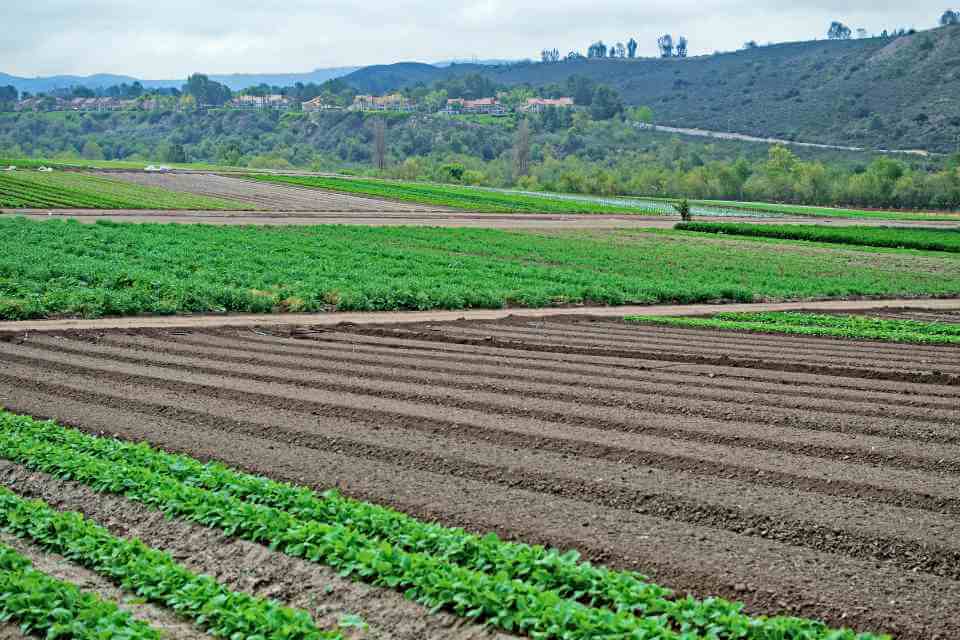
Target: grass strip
555	574
829	325
890	237
154	575
45	606
453	196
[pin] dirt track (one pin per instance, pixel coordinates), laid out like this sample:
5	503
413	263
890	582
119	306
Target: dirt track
802	475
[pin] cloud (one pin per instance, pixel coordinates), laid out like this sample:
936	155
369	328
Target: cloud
172	38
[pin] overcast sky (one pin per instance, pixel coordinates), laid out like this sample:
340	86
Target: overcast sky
161	39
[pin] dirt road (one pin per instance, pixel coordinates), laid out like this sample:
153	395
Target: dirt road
800	475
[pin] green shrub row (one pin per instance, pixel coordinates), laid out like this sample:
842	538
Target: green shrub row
44	606
389	548
154	575
889	237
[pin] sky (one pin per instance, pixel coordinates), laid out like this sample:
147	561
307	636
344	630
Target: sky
167	39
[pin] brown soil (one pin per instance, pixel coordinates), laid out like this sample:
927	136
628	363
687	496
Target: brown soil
800	475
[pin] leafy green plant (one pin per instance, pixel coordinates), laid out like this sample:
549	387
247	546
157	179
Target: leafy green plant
837	326
508	602
947	240
43	605
154	575
59	268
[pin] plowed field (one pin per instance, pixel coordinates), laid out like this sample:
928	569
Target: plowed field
806	476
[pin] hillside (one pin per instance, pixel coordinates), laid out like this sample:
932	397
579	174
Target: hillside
876	92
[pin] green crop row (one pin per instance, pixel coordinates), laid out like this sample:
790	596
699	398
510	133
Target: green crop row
154	575
23	189
515	587
56	268
43	605
837	326
453	196
890	237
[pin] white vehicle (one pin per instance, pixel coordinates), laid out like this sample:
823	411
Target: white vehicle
161	168
45	170
10	168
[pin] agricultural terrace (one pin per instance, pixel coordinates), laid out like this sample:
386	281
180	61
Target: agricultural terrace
35	190
64	268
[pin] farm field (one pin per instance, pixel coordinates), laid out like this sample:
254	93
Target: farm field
892	237
34	190
61	269
861	326
800	475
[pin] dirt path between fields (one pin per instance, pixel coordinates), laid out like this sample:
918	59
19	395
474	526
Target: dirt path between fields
386	317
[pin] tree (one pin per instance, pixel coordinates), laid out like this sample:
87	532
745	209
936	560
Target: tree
950	17
581	89
681	47
632	48
207	92
838	31
606	103
665	44
597	50
550	55
92	151
379	142
8	96
521	150
620	50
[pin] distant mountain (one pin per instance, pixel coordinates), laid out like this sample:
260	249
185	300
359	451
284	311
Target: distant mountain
235	81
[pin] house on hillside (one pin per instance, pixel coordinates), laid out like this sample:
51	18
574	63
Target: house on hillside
539	105
272	101
318	104
483	106
393	102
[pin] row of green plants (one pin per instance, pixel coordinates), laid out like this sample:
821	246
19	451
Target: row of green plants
504	585
811	324
454	196
47	607
64	268
32	189
891	237
153	575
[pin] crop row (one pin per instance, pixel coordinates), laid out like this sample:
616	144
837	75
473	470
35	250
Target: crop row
838	326
82	191
153	574
516	587
896	238
453	196
65	268
43	605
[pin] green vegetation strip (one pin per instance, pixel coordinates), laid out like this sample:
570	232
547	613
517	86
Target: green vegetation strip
838	326
827	212
69	190
891	237
152	574
60	268
44	606
515	587
453	196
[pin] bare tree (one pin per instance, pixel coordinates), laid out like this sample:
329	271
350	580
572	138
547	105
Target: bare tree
621	51
839	31
681	47
521	150
665	43
950	17
379	127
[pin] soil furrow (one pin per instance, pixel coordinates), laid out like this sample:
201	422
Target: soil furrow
251	568
769	575
794	365
500	378
649	413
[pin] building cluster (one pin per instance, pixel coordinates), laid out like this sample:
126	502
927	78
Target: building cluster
272	101
454	106
47	103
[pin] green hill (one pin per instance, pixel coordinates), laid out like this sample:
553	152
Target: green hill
895	93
